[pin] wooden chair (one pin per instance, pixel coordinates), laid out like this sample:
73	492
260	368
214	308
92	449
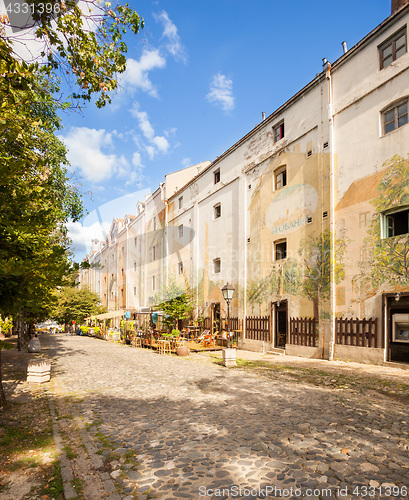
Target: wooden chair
207	340
136	342
163	346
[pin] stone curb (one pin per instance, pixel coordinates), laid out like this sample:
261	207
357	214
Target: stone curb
66	468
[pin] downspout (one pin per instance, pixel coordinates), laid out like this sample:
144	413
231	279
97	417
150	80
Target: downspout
167	240
127	268
332	212
245	258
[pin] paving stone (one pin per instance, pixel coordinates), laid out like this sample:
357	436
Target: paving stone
193	423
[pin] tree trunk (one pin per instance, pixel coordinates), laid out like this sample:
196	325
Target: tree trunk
315	308
2	394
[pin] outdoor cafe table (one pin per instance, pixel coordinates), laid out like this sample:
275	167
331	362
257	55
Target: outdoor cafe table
193	330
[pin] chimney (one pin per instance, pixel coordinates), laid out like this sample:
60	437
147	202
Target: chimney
397	4
344	47
263	115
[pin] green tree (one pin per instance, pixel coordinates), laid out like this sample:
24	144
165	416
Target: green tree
84	43
175	300
6	325
318	262
36	196
76	304
388	258
283	279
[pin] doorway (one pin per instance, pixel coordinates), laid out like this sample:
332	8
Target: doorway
215	317
279	316
397	323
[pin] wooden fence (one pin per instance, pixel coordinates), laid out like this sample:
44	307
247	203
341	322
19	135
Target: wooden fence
304	331
358	332
258	328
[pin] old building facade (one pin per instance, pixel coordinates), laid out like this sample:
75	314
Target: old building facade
307	215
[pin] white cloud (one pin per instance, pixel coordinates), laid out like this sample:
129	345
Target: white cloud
186	162
85	153
97	224
157	143
88	156
136	74
136	160
82	235
221	92
170	32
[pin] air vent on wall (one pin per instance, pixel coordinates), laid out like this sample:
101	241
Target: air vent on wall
309	153
325	145
324	215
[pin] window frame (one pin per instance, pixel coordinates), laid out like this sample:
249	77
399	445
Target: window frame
216	176
180	202
276	243
391	42
364	219
217	211
386	219
279	171
180	231
278	131
180	267
217	265
396	117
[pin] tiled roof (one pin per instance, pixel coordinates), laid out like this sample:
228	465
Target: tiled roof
363	189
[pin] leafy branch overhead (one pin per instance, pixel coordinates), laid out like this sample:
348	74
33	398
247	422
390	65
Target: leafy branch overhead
84	42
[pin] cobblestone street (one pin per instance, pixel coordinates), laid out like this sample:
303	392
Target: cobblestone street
141	425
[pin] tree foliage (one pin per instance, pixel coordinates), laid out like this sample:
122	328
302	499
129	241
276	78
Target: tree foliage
318	261
76	304
36	196
283	279
175	300
388	258
84	41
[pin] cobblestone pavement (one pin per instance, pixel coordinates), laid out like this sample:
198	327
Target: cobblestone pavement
135	424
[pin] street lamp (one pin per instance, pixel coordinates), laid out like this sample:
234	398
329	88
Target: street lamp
228	292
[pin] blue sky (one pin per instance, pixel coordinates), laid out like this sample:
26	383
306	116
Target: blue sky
199	76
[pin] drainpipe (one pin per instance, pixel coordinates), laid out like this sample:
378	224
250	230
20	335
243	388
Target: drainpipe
127	268
332	211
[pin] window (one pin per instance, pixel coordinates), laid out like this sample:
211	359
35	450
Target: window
181	231
180	268
395	117
136	240
181	202
134	265
217	211
278	131
216	175
392	49
395	223
154	252
134	290
154	223
280	178
153	282
364	219
280	250
216	266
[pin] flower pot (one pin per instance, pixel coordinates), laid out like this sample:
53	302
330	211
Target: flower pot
183	350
